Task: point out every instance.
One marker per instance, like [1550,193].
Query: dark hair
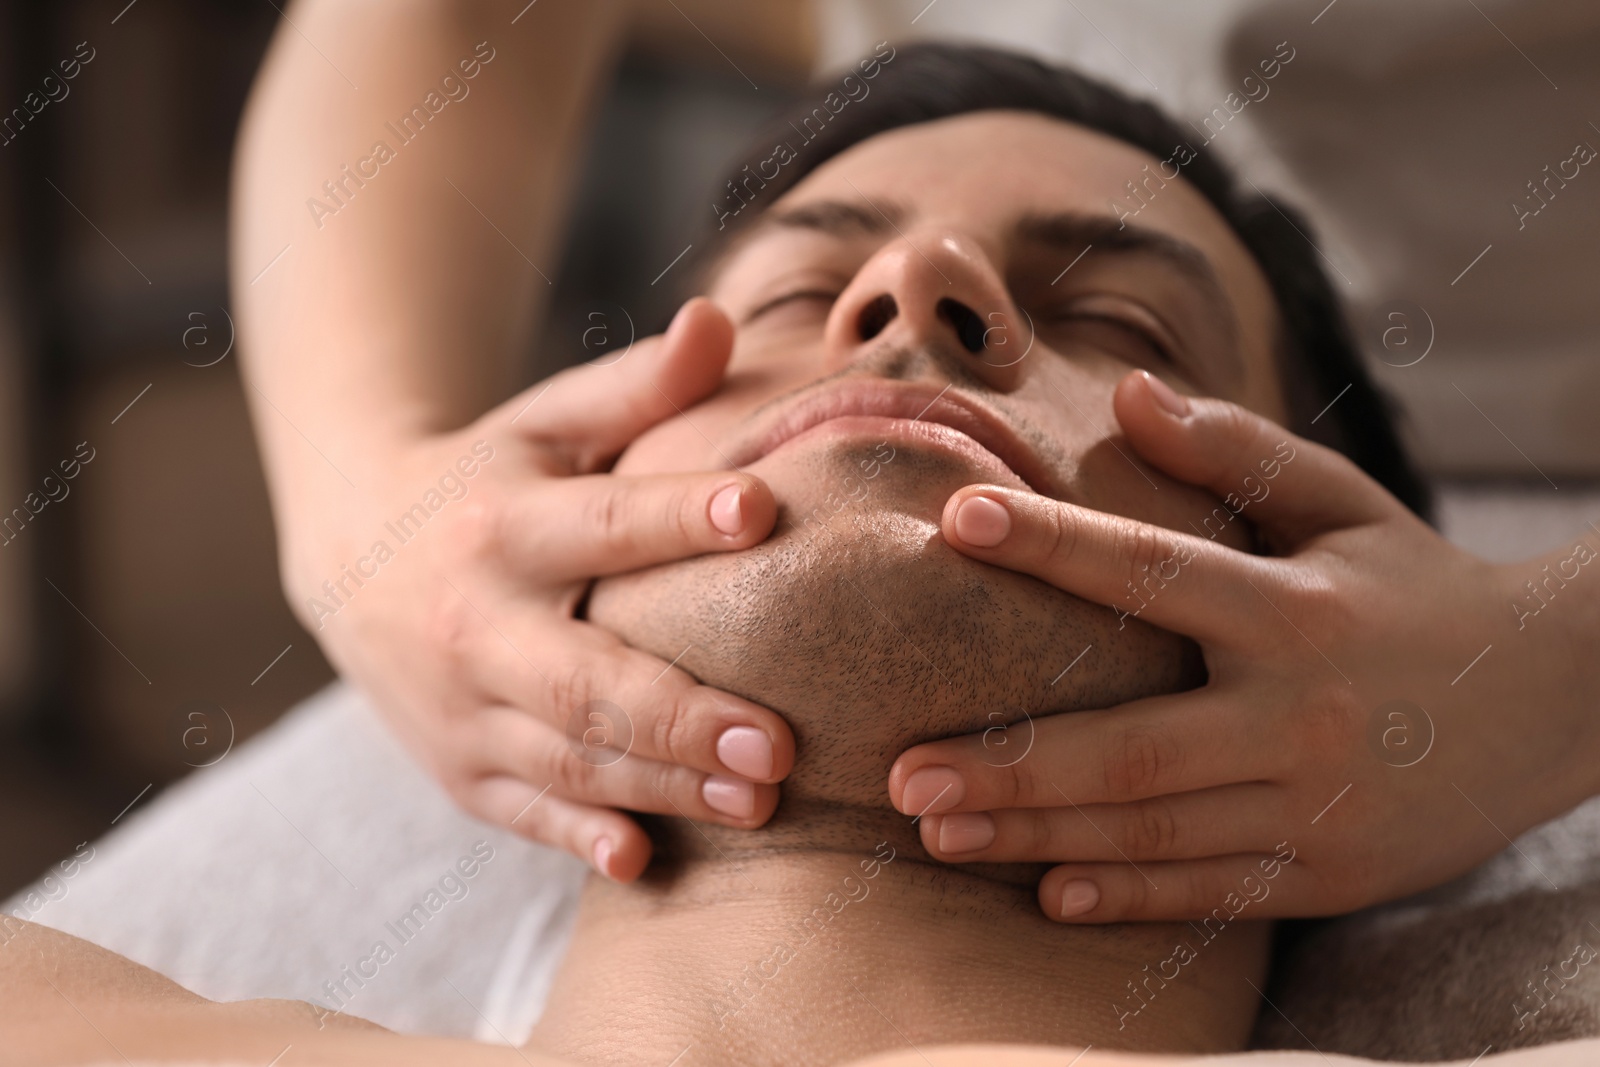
[924,82]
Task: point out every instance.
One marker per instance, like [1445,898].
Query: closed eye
[822,297]
[1122,327]
[1129,330]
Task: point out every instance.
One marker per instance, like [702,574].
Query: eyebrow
[840,218]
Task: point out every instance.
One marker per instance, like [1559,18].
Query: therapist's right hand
[470,640]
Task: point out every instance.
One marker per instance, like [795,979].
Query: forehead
[983,172]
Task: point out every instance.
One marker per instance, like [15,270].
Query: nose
[937,292]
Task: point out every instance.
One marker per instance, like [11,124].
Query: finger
[596,767]
[1142,572]
[1223,888]
[586,527]
[593,411]
[608,841]
[1174,743]
[583,682]
[1288,485]
[1211,822]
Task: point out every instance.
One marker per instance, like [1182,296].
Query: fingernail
[746,750]
[966,832]
[725,511]
[729,796]
[1165,396]
[602,856]
[932,789]
[982,522]
[1077,897]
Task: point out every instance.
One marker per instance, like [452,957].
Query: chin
[869,634]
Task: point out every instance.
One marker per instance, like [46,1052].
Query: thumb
[1294,489]
[593,411]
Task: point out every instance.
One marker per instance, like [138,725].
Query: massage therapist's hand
[1307,740]
[464,633]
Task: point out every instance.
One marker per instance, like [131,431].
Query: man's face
[943,304]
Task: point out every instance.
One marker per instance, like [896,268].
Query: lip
[877,398]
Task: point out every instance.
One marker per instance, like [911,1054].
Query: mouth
[913,414]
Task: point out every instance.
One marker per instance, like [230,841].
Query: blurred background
[142,630]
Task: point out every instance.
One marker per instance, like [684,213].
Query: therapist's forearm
[404,309]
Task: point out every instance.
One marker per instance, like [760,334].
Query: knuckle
[1234,431]
[1133,895]
[572,777]
[1140,761]
[1044,836]
[1152,831]
[1316,598]
[655,781]
[608,517]
[672,729]
[451,625]
[686,515]
[1237,428]
[568,691]
[1011,785]
[1060,535]
[1144,548]
[481,530]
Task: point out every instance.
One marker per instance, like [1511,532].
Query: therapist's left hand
[1291,783]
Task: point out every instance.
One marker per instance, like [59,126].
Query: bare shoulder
[1564,1054]
[65,1001]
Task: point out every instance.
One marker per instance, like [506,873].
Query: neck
[816,956]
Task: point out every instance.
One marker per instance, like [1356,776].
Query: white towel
[278,871]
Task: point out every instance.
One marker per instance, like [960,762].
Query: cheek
[668,447]
[1110,483]
[1104,474]
[756,375]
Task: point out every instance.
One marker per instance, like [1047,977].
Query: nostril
[875,316]
[968,327]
